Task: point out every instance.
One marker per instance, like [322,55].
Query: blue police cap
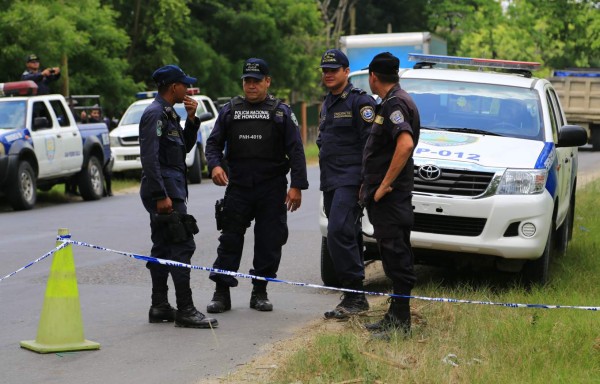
[256,68]
[170,74]
[334,58]
[384,63]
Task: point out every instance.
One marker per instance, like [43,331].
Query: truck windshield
[12,114]
[463,106]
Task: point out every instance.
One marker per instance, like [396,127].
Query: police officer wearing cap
[346,117]
[41,78]
[163,145]
[260,137]
[387,187]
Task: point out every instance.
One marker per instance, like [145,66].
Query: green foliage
[112,47]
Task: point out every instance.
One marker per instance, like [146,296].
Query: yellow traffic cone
[60,328]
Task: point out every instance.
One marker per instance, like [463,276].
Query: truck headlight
[114,141]
[523,182]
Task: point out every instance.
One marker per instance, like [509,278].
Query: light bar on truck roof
[193,91]
[474,62]
[19,88]
[146,95]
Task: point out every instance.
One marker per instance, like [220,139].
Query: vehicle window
[497,109]
[61,114]
[12,114]
[559,116]
[553,121]
[207,107]
[361,80]
[40,110]
[133,115]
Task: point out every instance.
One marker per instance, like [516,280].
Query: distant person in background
[41,78]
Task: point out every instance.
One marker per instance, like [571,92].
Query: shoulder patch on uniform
[367,113]
[397,117]
[294,118]
[159,125]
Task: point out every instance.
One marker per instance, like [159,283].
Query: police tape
[66,239]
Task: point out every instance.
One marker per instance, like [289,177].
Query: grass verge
[467,343]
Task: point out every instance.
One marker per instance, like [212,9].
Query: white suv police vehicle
[495,168]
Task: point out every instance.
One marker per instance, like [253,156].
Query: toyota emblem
[429,172]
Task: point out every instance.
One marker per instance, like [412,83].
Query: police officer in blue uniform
[41,78]
[163,145]
[346,117]
[258,136]
[388,184]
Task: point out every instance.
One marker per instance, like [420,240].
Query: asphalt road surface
[114,292]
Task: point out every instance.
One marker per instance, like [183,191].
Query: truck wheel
[328,274]
[537,271]
[595,139]
[22,192]
[91,180]
[195,171]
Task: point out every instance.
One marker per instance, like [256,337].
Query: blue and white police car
[495,168]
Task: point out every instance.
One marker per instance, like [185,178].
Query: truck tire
[595,139]
[91,180]
[536,272]
[22,191]
[328,274]
[195,171]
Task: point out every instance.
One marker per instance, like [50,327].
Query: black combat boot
[190,317]
[352,303]
[187,316]
[259,299]
[397,319]
[160,311]
[221,300]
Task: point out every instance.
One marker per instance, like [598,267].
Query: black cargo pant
[164,249]
[265,204]
[392,218]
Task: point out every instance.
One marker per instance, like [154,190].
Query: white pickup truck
[124,139]
[495,169]
[41,145]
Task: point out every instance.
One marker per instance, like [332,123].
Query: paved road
[114,293]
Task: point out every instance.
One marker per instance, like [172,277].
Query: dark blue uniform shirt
[40,80]
[343,131]
[163,145]
[250,172]
[396,113]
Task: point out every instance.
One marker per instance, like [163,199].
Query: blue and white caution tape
[64,244]
[66,240]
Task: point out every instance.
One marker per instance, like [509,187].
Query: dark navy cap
[384,63]
[33,57]
[334,58]
[170,74]
[256,68]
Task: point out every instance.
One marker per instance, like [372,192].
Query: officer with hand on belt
[261,140]
[387,187]
[163,145]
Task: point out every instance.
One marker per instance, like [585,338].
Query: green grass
[492,344]
[311,152]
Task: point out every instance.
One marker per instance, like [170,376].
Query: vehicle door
[48,148]
[564,161]
[69,136]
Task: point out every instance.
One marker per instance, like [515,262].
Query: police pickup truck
[41,145]
[495,169]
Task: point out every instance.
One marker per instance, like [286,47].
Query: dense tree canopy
[111,47]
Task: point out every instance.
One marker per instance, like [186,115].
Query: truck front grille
[454,182]
[448,225]
[130,140]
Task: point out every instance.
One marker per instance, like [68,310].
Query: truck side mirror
[205,116]
[571,136]
[40,123]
